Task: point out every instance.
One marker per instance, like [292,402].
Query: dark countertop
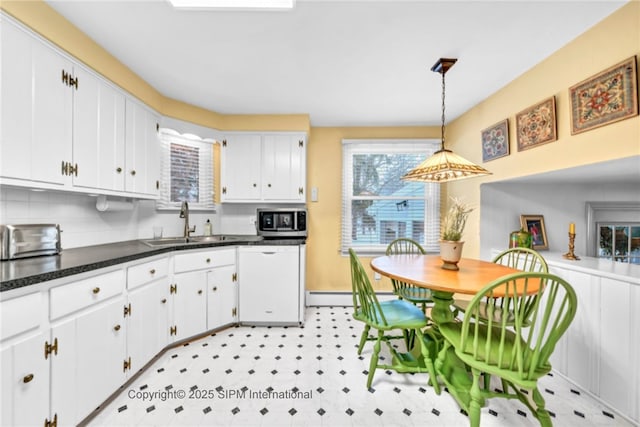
[29,271]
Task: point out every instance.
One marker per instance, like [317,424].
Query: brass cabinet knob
[255,185]
[119,170]
[116,328]
[133,172]
[27,378]
[96,290]
[269,185]
[208,260]
[163,300]
[152,271]
[199,291]
[215,288]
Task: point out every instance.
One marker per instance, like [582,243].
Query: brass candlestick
[570,254]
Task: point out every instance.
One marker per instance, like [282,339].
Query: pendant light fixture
[444,165]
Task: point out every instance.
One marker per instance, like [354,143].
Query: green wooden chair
[516,352]
[520,259]
[414,294]
[385,317]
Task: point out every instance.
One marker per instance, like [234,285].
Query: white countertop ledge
[600,267]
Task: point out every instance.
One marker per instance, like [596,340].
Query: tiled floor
[311,376]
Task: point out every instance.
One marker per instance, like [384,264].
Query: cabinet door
[36,109]
[142,149]
[241,168]
[269,284]
[147,323]
[98,133]
[283,176]
[89,363]
[222,298]
[16,98]
[25,382]
[190,304]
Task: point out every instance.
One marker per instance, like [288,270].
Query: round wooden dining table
[426,271]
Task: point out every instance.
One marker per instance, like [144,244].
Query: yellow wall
[611,41]
[326,268]
[615,39]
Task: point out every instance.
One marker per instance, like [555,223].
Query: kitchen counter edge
[15,274]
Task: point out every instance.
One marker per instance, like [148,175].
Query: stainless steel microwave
[281,222]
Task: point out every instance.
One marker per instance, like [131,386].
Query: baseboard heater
[339,298]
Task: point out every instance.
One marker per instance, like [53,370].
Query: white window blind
[187,171]
[377,206]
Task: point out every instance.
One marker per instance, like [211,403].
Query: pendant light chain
[443,92]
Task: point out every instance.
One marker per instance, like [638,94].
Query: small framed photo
[495,141]
[535,225]
[537,124]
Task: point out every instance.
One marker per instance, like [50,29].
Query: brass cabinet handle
[63,169]
[116,328]
[199,291]
[163,300]
[27,378]
[152,271]
[119,170]
[133,172]
[96,290]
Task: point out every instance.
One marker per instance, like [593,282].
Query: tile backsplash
[83,225]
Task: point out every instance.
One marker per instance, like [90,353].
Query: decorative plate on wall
[537,124]
[495,141]
[607,97]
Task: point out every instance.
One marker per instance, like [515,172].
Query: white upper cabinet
[36,109]
[142,165]
[98,133]
[66,127]
[265,166]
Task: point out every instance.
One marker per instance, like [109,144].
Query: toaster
[28,240]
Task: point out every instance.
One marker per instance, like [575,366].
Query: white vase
[450,253]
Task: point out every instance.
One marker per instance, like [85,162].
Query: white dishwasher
[271,284]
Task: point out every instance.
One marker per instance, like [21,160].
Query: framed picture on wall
[535,225]
[495,141]
[607,97]
[537,124]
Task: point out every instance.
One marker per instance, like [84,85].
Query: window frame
[206,170]
[431,195]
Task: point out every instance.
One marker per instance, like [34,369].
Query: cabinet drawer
[140,274]
[83,293]
[205,259]
[20,315]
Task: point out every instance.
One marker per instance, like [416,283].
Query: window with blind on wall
[187,171]
[377,205]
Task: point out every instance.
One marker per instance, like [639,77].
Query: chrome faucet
[184,213]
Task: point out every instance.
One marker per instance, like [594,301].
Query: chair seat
[415,294]
[399,315]
[452,331]
[462,305]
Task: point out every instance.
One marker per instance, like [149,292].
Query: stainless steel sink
[167,241]
[193,240]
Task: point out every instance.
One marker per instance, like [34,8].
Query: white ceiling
[345,63]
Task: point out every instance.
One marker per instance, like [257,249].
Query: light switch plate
[314,194]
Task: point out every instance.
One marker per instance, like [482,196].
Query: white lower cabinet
[600,350]
[147,323]
[222,296]
[270,285]
[90,361]
[25,382]
[189,305]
